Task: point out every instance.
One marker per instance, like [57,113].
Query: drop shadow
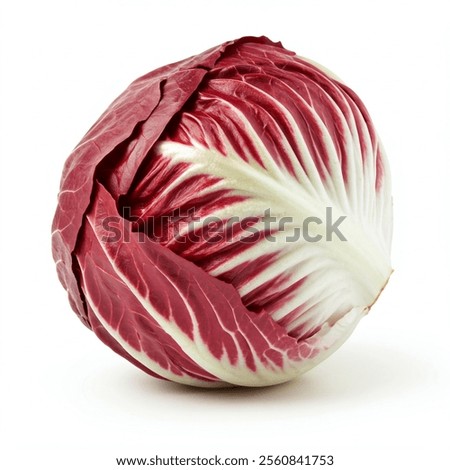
[355,376]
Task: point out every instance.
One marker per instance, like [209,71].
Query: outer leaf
[181,323]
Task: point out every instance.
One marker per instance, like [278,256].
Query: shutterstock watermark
[190,227]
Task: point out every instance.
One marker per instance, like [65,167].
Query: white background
[381,401]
